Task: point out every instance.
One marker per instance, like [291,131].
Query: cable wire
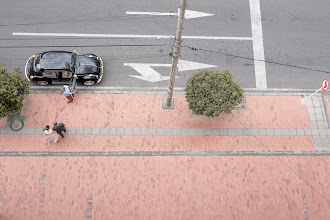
[248,58]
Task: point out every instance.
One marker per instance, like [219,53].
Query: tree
[210,93]
[13,90]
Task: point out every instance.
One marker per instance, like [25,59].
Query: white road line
[127,36]
[188,14]
[258,45]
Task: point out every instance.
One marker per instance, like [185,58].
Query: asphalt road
[295,38]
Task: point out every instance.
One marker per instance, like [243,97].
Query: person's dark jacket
[59,127]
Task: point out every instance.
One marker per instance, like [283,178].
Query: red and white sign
[325,85]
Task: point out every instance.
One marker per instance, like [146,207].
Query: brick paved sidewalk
[128,121]
[178,186]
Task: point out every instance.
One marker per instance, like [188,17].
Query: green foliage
[13,89]
[210,93]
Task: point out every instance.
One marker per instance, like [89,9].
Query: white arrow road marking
[188,14]
[150,75]
[127,36]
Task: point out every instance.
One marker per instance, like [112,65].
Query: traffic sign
[325,84]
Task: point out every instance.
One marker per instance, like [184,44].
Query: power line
[105,45]
[114,18]
[248,58]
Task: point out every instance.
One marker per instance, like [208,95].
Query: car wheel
[42,83]
[89,83]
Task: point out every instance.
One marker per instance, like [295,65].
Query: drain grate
[16,125]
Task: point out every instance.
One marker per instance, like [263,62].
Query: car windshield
[73,62]
[36,64]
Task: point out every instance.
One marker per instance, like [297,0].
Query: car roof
[55,60]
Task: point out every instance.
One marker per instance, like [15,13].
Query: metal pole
[176,53]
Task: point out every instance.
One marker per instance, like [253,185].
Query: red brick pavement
[3,122]
[133,110]
[164,188]
[157,143]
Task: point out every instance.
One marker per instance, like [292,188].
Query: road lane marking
[188,14]
[150,75]
[258,45]
[127,36]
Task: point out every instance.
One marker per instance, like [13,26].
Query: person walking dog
[50,133]
[59,128]
[66,91]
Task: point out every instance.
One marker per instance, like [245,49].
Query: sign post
[325,86]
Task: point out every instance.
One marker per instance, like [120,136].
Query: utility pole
[176,53]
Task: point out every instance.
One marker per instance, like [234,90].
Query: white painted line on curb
[258,45]
[127,36]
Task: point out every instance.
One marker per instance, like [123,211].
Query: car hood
[87,65]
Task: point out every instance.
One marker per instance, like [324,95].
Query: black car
[59,67]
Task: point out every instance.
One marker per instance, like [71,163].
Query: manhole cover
[16,125]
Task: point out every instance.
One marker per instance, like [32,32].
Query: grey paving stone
[277,131]
[38,131]
[262,132]
[2,130]
[317,140]
[312,117]
[246,132]
[326,147]
[176,131]
[223,132]
[239,131]
[109,131]
[87,131]
[70,131]
[285,132]
[136,131]
[231,132]
[319,117]
[79,131]
[254,131]
[257,93]
[293,132]
[196,132]
[160,132]
[128,131]
[120,131]
[270,132]
[29,130]
[307,131]
[318,110]
[328,131]
[315,131]
[321,125]
[168,132]
[324,139]
[318,147]
[96,131]
[313,124]
[322,132]
[152,131]
[211,132]
[143,131]
[300,132]
[310,110]
[316,103]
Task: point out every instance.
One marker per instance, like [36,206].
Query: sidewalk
[145,161]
